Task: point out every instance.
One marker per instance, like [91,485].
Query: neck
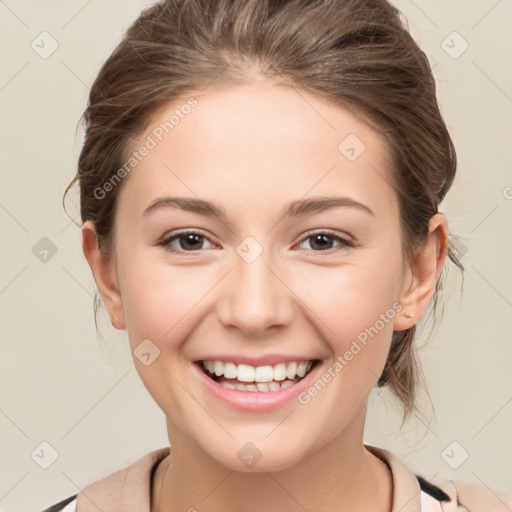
[340,475]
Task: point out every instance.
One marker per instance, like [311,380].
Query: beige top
[129,490]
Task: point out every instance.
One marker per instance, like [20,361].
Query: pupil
[321,240]
[190,239]
[319,237]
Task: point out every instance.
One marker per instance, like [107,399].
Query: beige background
[58,385]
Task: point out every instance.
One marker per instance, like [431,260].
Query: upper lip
[269,359]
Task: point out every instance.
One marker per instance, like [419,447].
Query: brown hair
[357,53]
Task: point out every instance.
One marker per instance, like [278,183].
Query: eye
[321,240]
[189,241]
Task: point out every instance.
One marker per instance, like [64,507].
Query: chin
[254,457]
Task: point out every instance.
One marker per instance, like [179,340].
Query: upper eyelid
[186,232]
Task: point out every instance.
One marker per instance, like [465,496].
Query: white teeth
[274,386]
[230,371]
[260,374]
[301,369]
[245,373]
[264,374]
[291,370]
[218,368]
[279,372]
[259,386]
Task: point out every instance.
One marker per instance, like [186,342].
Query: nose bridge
[256,297]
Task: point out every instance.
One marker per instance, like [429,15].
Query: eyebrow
[293,209]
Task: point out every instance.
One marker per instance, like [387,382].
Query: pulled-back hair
[357,53]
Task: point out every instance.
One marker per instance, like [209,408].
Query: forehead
[250,146]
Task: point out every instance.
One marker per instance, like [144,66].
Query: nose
[255,297]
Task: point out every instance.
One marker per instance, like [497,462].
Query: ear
[424,273]
[104,274]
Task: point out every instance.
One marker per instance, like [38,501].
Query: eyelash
[167,241]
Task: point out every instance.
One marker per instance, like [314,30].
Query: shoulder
[413,493]
[129,485]
[458,496]
[477,497]
[66,505]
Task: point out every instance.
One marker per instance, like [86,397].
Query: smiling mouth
[257,379]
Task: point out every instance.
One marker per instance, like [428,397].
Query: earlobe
[424,272]
[103,271]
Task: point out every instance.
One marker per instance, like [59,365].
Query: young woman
[260,187]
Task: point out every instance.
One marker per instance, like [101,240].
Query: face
[265,279]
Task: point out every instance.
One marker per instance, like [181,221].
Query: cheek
[352,296]
[161,304]
[157,299]
[354,307]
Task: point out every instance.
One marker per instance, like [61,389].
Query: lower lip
[255,400]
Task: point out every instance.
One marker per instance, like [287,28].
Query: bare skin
[252,150]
